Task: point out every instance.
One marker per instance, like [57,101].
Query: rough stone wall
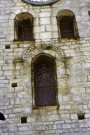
[72,64]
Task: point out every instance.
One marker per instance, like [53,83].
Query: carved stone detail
[43,47]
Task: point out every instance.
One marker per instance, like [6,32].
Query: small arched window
[24,27]
[67,24]
[44,77]
[2,117]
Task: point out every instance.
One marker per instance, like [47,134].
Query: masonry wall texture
[72,58]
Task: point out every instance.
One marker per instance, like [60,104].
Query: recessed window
[23,119]
[14,84]
[7,46]
[67,25]
[2,117]
[24,27]
[88,12]
[81,116]
[44,81]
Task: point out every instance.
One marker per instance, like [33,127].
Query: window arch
[24,27]
[44,80]
[67,26]
[2,117]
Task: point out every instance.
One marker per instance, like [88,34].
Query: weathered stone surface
[72,58]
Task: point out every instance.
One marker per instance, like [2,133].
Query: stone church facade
[45,68]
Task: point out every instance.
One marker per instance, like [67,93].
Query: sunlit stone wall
[72,114]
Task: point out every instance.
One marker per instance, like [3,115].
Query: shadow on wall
[2,117]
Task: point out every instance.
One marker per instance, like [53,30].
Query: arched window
[2,117]
[24,27]
[67,24]
[44,80]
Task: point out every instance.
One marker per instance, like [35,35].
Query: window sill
[23,41]
[55,107]
[68,39]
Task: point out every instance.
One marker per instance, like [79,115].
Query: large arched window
[67,24]
[44,74]
[24,27]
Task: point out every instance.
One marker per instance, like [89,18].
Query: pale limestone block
[60,98]
[42,28]
[65,116]
[18,110]
[27,110]
[7,73]
[45,21]
[55,34]
[11,24]
[37,36]
[36,29]
[85,107]
[12,16]
[1,73]
[44,14]
[77,98]
[31,119]
[12,127]
[73,116]
[89,78]
[16,100]
[68,107]
[23,128]
[45,35]
[36,21]
[78,18]
[87,116]
[67,126]
[54,21]
[2,61]
[10,37]
[81,124]
[88,90]
[17,11]
[48,28]
[22,94]
[46,9]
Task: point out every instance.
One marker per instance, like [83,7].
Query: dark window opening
[66,27]
[2,117]
[88,12]
[7,46]
[23,27]
[25,30]
[23,119]
[45,81]
[14,84]
[81,116]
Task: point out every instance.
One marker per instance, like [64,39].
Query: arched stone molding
[18,11]
[57,10]
[69,14]
[11,21]
[43,48]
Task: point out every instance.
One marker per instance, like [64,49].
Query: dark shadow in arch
[44,80]
[2,117]
[67,25]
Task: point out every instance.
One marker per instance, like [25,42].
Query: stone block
[44,21]
[87,116]
[66,126]
[45,14]
[23,128]
[45,35]
[74,116]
